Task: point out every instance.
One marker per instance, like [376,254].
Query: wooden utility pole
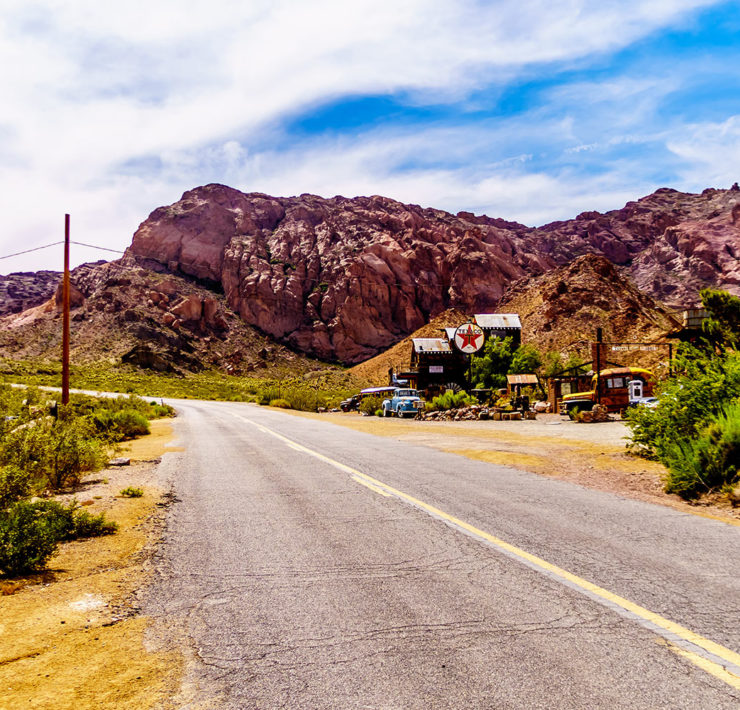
[65,315]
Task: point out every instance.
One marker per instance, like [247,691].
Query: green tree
[722,328]
[490,369]
[526,359]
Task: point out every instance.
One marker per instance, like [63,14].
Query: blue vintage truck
[403,403]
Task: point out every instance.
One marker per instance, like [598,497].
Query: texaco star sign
[469,338]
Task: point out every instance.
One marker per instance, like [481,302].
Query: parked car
[649,402]
[351,404]
[403,403]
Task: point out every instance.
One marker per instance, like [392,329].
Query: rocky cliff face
[673,243]
[157,321]
[345,278]
[24,290]
[337,278]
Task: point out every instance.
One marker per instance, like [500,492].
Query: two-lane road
[317,567]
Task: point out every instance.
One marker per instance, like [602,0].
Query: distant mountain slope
[158,321]
[344,279]
[561,310]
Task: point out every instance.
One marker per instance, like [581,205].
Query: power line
[92,246]
[54,244]
[27,251]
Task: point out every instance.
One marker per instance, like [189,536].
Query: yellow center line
[723,662]
[373,488]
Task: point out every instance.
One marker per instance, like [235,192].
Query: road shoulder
[72,636]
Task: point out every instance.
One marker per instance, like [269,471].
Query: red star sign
[469,338]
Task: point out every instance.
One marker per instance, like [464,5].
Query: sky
[530,110]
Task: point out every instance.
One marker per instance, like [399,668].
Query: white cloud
[91,90]
[712,152]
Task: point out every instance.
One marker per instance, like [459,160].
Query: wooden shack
[436,362]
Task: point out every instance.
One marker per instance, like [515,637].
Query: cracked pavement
[296,587]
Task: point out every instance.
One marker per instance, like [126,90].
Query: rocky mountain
[221,275]
[343,279]
[561,310]
[164,322]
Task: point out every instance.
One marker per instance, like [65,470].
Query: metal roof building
[500,325]
[498,321]
[431,345]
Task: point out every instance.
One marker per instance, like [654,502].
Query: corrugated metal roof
[498,320]
[521,379]
[431,345]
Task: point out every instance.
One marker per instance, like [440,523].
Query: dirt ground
[591,455]
[71,637]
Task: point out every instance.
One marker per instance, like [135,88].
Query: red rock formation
[345,278]
[338,278]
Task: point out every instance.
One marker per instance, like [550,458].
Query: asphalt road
[312,566]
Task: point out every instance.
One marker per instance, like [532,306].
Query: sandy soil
[71,637]
[591,455]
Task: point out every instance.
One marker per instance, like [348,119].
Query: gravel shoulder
[72,636]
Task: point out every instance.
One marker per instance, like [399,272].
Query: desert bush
[31,530]
[119,425]
[451,400]
[704,385]
[53,453]
[707,462]
[129,423]
[86,405]
[28,538]
[15,483]
[280,403]
[371,405]
[131,492]
[694,429]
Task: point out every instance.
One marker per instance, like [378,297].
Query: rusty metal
[65,315]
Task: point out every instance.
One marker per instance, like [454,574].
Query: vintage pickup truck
[403,403]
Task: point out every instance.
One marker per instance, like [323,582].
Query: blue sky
[528,110]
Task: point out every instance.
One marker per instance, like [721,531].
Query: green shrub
[85,524]
[371,405]
[280,403]
[129,424]
[708,462]
[15,483]
[28,538]
[131,492]
[31,530]
[53,453]
[451,400]
[704,385]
